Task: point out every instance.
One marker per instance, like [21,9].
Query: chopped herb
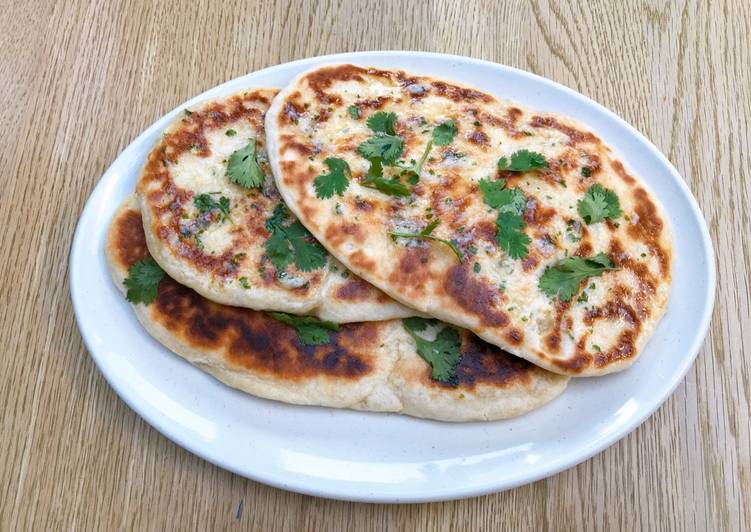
[583,298]
[426,234]
[386,145]
[510,205]
[598,204]
[476,267]
[230,132]
[206,203]
[292,243]
[563,278]
[381,122]
[310,331]
[188,112]
[511,236]
[596,348]
[504,199]
[243,168]
[586,171]
[336,181]
[354,111]
[477,123]
[444,133]
[522,161]
[374,179]
[388,148]
[527,133]
[442,354]
[414,171]
[143,281]
[244,282]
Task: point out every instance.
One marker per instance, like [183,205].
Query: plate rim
[330,490]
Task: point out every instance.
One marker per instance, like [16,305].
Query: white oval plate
[384,457]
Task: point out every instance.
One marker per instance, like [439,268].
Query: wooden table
[80,79]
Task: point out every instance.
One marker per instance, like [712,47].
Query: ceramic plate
[386,457]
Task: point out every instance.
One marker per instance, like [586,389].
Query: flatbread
[366,366]
[224,257]
[323,114]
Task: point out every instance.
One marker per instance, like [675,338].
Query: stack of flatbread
[377,240]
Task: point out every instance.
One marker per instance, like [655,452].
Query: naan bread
[222,255]
[366,366]
[323,113]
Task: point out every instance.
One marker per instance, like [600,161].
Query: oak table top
[80,79]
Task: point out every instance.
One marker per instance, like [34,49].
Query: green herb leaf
[230,132]
[388,148]
[426,234]
[563,278]
[510,222]
[292,243]
[243,168]
[504,199]
[442,354]
[381,122]
[511,237]
[598,204]
[336,181]
[354,111]
[374,179]
[414,171]
[522,161]
[143,281]
[310,330]
[206,203]
[444,133]
[309,254]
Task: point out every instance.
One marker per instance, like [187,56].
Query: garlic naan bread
[365,366]
[520,226]
[215,222]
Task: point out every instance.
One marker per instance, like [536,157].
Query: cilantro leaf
[414,171]
[381,122]
[522,161]
[444,133]
[292,243]
[243,169]
[206,203]
[442,354]
[563,278]
[336,181]
[374,179]
[277,249]
[598,204]
[504,199]
[510,222]
[511,237]
[309,253]
[354,111]
[143,281]
[310,330]
[426,234]
[388,148]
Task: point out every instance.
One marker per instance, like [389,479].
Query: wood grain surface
[80,79]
